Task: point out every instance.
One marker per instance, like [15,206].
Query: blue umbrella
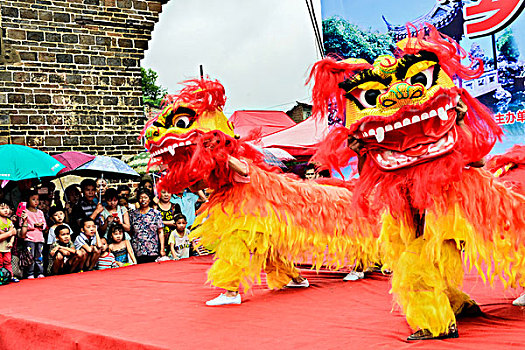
[105,166]
[270,158]
[21,162]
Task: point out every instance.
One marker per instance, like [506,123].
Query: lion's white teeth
[415,119]
[380,134]
[432,114]
[171,150]
[424,116]
[406,122]
[388,128]
[442,114]
[397,125]
[188,143]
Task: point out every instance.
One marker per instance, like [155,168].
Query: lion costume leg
[279,271]
[235,264]
[422,287]
[451,263]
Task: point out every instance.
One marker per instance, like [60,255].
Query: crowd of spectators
[96,227]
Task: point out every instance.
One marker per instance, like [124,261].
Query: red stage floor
[161,306]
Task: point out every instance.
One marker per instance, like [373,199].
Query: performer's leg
[281,272]
[233,265]
[461,303]
[421,289]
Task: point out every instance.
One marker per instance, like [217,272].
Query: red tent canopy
[267,121]
[299,140]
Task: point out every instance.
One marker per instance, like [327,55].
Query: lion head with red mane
[414,129]
[193,139]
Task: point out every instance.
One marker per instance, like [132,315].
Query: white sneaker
[223,299]
[40,276]
[519,301]
[302,284]
[354,276]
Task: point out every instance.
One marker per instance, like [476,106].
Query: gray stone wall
[70,73]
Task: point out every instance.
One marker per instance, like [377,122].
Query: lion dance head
[192,137]
[413,127]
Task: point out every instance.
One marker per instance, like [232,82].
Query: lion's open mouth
[390,160]
[172,144]
[413,135]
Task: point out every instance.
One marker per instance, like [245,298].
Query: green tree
[152,93]
[507,46]
[346,40]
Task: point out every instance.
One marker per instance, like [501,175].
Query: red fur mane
[208,161]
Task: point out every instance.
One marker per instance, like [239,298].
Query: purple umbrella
[72,160]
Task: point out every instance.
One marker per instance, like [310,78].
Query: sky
[260,50]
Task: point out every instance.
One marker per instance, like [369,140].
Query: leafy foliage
[507,46]
[152,93]
[346,40]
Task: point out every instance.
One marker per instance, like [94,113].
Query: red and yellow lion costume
[265,224]
[418,137]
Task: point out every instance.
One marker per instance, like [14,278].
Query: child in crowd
[123,192]
[71,197]
[179,241]
[106,259]
[44,204]
[167,211]
[63,257]
[57,216]
[33,226]
[114,214]
[120,246]
[89,241]
[86,206]
[7,237]
[102,186]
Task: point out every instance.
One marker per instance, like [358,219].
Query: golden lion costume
[418,137]
[263,224]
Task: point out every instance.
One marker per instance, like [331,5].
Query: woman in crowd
[114,213]
[147,229]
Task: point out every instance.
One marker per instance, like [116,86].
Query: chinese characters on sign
[510,117]
[487,17]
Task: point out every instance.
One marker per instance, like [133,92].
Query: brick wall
[70,73]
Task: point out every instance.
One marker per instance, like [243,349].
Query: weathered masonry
[70,73]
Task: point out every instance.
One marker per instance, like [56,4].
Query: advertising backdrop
[491,30]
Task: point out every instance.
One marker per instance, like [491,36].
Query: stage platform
[161,306]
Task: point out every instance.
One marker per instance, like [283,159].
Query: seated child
[179,241]
[89,241]
[57,216]
[120,247]
[63,257]
[7,238]
[106,259]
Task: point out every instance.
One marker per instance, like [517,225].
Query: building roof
[299,140]
[265,122]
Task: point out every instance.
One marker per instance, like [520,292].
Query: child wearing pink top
[33,226]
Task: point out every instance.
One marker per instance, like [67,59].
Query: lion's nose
[152,131]
[401,94]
